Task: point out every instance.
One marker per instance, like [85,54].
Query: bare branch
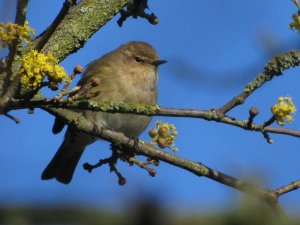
[287,188]
[15,119]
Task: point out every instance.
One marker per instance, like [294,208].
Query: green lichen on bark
[79,24]
[257,82]
[275,67]
[119,107]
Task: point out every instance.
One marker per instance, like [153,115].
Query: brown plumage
[128,74]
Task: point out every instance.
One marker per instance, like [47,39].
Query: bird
[126,74]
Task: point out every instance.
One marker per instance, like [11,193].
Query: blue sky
[213,49]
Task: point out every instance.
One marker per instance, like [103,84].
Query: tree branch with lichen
[61,109]
[275,67]
[70,31]
[44,36]
[77,27]
[70,35]
[78,122]
[9,80]
[122,107]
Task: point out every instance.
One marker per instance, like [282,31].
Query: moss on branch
[275,67]
[77,26]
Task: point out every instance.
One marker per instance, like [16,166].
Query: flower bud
[152,132]
[78,69]
[253,111]
[163,132]
[162,143]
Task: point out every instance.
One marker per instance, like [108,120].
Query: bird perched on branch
[127,74]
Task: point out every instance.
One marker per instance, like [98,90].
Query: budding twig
[111,161]
[267,137]
[287,188]
[253,112]
[77,70]
[17,120]
[143,165]
[269,122]
[137,9]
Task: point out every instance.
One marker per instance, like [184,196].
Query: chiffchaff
[127,74]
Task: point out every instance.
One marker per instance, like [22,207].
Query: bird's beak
[158,62]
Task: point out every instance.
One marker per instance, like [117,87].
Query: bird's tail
[64,162]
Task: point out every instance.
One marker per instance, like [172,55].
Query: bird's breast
[141,86]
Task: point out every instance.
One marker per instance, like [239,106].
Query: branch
[71,34]
[113,107]
[275,67]
[9,79]
[287,188]
[43,38]
[78,122]
[77,26]
[19,19]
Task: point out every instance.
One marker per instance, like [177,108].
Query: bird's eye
[138,59]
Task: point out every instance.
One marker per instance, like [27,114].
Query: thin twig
[275,67]
[143,165]
[77,70]
[267,137]
[269,121]
[253,112]
[15,119]
[111,161]
[287,188]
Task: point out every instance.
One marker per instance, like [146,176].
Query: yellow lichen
[283,110]
[36,66]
